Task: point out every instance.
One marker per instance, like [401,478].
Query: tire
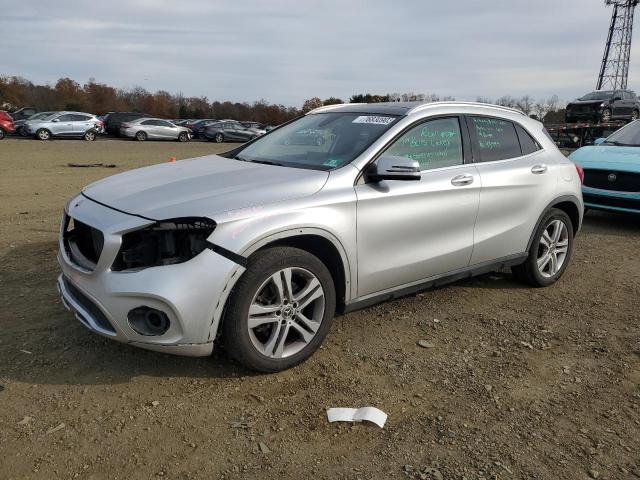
[635,115]
[89,136]
[218,138]
[1,134]
[43,134]
[605,116]
[141,136]
[183,137]
[535,270]
[263,346]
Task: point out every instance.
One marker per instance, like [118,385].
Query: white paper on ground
[370,414]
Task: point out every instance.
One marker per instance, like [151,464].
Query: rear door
[408,231]
[63,125]
[81,123]
[516,187]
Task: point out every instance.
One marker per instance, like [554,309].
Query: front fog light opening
[148,321]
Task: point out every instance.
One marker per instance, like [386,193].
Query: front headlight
[166,242]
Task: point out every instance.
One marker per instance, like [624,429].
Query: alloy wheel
[553,248]
[44,135]
[286,312]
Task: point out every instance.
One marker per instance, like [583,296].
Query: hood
[593,103]
[203,187]
[608,157]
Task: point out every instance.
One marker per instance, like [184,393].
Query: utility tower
[614,71]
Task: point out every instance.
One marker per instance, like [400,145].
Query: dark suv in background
[604,106]
[113,120]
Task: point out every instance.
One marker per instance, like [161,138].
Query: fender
[262,242]
[565,198]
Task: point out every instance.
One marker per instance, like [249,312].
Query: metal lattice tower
[614,71]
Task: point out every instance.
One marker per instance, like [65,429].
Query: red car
[6,124]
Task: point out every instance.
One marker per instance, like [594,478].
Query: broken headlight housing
[166,242]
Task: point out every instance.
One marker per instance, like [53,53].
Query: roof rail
[470,104]
[331,107]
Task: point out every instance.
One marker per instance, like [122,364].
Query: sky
[285,51]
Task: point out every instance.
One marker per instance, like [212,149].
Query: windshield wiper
[264,162]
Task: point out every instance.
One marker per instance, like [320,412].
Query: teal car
[612,171]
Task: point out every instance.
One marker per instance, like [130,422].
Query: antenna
[614,71]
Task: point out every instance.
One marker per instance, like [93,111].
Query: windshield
[628,136]
[598,95]
[322,141]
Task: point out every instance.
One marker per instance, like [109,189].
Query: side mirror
[599,141]
[394,168]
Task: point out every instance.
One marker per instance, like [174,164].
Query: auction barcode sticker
[374,119]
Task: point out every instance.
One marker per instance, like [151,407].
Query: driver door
[408,231]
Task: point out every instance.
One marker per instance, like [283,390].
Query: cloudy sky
[287,50]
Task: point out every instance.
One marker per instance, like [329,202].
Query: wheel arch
[568,204]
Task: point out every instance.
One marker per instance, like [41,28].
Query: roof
[403,108]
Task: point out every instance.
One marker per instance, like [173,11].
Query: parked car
[65,124]
[612,171]
[261,127]
[19,124]
[260,246]
[197,126]
[7,124]
[23,113]
[113,120]
[230,132]
[604,106]
[154,129]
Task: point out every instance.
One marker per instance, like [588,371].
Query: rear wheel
[218,138]
[183,137]
[43,134]
[280,310]
[605,116]
[89,135]
[635,115]
[141,136]
[1,134]
[550,251]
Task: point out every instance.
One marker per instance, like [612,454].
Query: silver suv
[65,124]
[262,245]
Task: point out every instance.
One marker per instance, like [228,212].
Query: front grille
[80,298]
[612,180]
[612,201]
[83,243]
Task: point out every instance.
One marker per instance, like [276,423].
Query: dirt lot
[518,383]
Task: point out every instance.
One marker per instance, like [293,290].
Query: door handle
[539,169]
[462,180]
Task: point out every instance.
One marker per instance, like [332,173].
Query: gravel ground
[514,383]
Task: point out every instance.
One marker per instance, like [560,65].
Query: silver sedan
[154,129]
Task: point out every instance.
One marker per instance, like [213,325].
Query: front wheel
[635,115]
[280,310]
[550,251]
[605,116]
[1,134]
[183,137]
[43,134]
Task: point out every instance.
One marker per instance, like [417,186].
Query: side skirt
[436,281]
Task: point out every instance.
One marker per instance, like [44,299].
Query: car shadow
[42,343]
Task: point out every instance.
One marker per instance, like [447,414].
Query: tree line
[99,98]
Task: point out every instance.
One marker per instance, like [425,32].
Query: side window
[496,139]
[162,123]
[527,143]
[66,118]
[147,122]
[81,118]
[434,144]
[228,126]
